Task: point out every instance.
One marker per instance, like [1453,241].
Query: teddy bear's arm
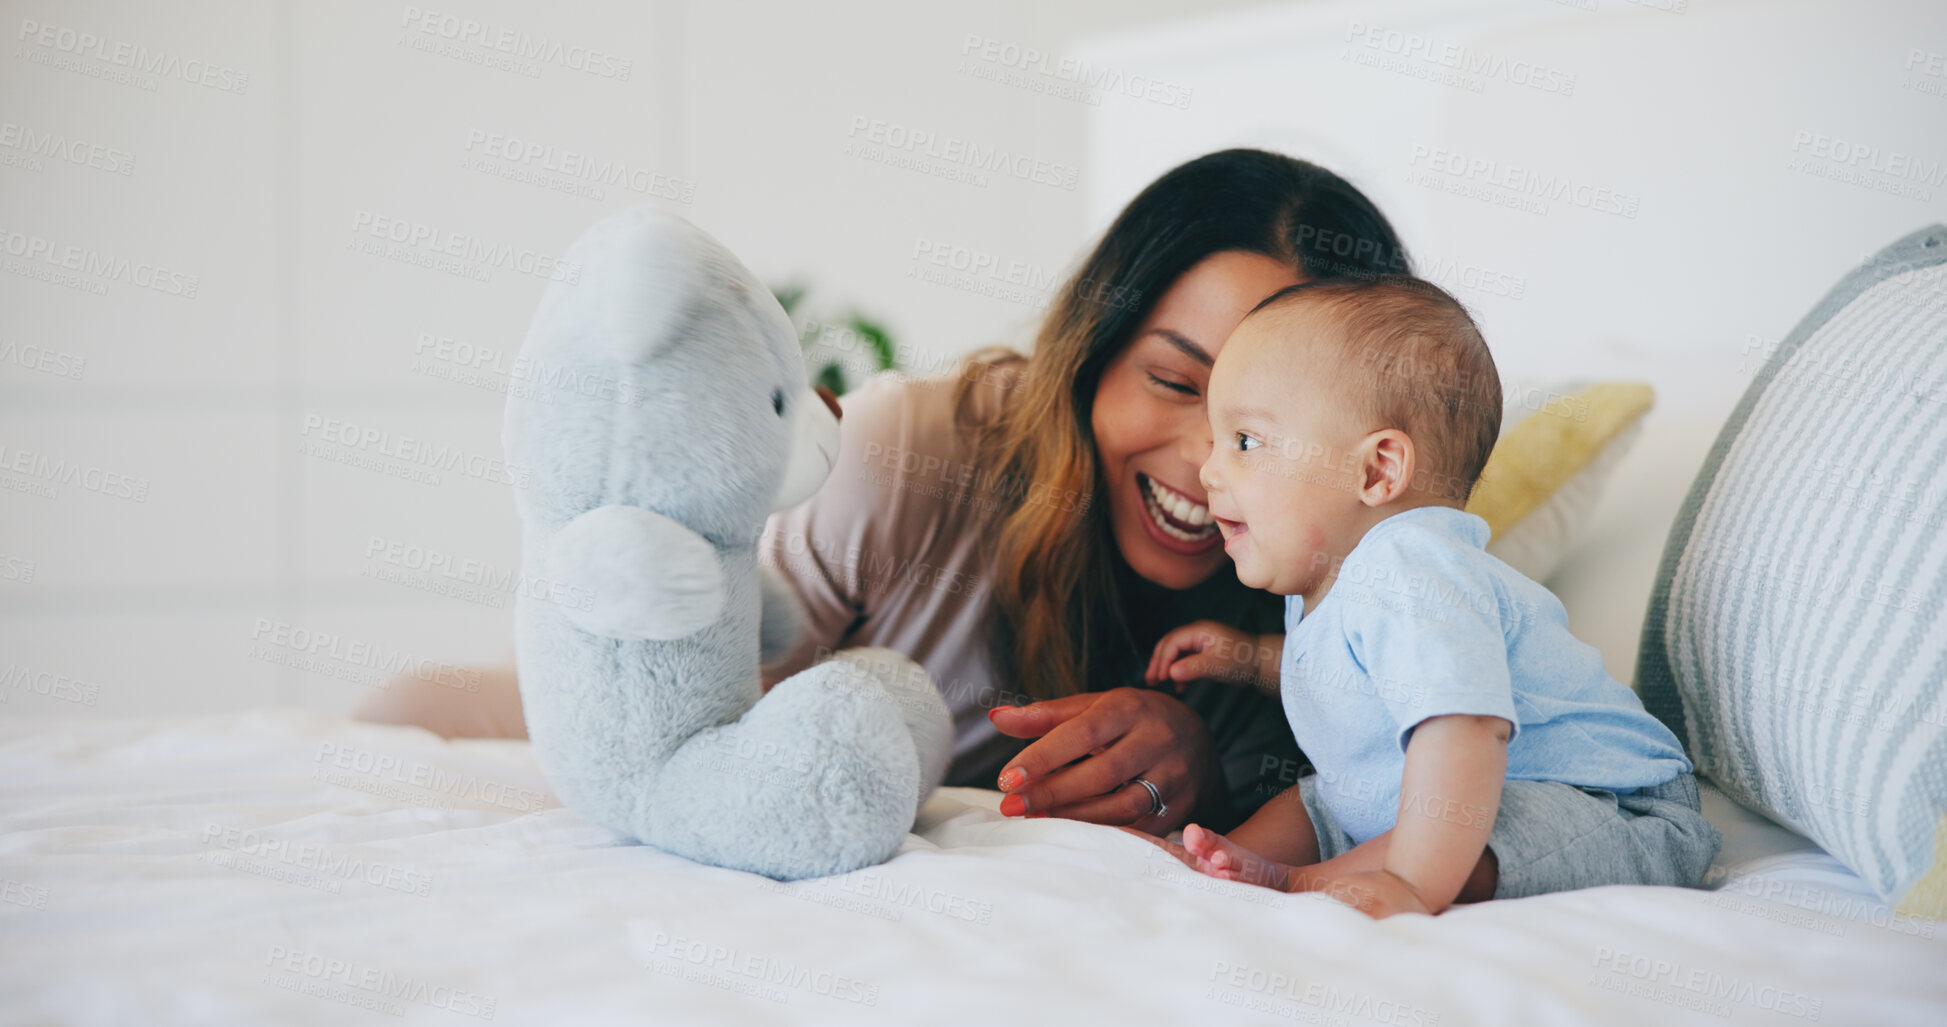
[630,573]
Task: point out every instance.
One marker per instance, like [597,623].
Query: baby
[1467,746]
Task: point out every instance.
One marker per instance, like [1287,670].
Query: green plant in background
[851,333]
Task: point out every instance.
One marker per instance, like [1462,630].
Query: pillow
[1549,467]
[1794,639]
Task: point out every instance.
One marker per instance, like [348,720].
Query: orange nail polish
[1011,778]
[1013,806]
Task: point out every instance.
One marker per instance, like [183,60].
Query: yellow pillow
[1549,468]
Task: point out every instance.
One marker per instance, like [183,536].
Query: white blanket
[288,867]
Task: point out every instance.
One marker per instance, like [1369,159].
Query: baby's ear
[629,573]
[1387,463]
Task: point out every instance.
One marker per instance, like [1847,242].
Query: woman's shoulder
[906,470]
[933,415]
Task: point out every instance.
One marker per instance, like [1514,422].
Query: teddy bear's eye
[777,401]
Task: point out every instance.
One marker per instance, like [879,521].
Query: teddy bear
[664,413]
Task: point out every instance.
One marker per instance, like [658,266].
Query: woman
[1029,527]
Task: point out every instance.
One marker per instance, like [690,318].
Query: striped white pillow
[1795,638]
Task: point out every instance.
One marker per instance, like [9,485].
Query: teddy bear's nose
[830,401]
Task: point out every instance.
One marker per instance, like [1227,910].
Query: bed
[296,867]
[292,867]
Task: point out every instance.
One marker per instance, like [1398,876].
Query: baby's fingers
[1206,845]
[1202,636]
[1165,653]
[1214,665]
[1160,657]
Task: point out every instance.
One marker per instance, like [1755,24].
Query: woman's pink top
[891,550]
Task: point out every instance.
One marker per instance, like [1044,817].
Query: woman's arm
[491,708]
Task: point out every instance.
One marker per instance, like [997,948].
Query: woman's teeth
[1164,503]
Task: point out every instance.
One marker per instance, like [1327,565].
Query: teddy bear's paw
[819,777]
[911,691]
[636,574]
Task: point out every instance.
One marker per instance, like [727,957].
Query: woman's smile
[1174,520]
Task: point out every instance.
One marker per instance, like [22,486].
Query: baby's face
[1283,473]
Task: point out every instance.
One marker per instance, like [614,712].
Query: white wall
[239,146]
[264,134]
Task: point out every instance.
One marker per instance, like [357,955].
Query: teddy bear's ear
[629,573]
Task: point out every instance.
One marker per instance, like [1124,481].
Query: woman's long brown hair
[1057,622]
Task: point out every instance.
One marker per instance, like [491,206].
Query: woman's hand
[1217,651]
[1117,736]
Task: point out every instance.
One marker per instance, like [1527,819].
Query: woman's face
[1151,431]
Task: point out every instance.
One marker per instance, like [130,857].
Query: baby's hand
[1205,649]
[1376,893]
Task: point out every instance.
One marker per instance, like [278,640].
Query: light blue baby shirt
[1422,622]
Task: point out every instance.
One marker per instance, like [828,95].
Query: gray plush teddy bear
[664,414]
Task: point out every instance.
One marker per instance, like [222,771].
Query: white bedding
[290,867]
